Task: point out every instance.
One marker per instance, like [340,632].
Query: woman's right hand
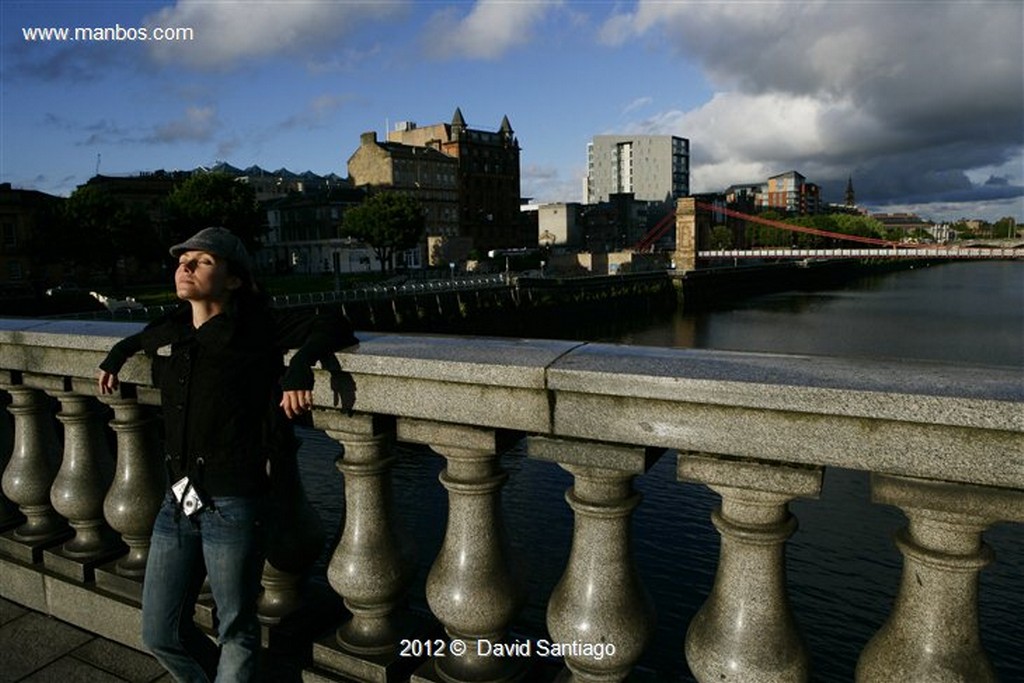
[107,382]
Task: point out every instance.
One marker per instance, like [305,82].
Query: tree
[1005,227]
[388,222]
[760,235]
[99,231]
[862,226]
[214,199]
[721,237]
[805,240]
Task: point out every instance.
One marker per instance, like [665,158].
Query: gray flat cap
[217,241]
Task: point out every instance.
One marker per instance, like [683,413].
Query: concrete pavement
[40,649]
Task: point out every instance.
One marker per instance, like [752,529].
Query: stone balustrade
[944,444]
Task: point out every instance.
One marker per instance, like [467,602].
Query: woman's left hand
[296,402]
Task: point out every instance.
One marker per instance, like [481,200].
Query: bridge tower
[690,225]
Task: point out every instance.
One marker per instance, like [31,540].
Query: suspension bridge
[693,226]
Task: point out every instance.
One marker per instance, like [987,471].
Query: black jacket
[220,386]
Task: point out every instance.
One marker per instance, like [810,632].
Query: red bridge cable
[655,233]
[663,225]
[798,228]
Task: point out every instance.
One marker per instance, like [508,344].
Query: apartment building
[304,234]
[650,167]
[787,192]
[487,173]
[744,197]
[424,173]
[790,192]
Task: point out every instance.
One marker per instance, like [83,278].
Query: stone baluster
[372,565]
[79,490]
[140,480]
[9,515]
[599,602]
[295,541]
[29,474]
[932,633]
[745,632]
[471,588]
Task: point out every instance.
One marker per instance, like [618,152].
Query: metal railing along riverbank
[944,444]
[340,296]
[389,291]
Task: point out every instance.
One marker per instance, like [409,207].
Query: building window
[9,235]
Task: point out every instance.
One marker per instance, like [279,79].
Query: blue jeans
[225,542]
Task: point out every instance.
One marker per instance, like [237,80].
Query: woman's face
[201,276]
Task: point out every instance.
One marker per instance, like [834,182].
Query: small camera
[187,496]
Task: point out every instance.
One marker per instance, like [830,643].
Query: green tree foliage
[214,199]
[767,236]
[97,231]
[388,222]
[760,235]
[858,225]
[964,230]
[1005,227]
[721,238]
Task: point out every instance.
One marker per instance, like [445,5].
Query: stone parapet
[943,443]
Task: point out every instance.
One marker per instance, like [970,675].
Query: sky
[921,103]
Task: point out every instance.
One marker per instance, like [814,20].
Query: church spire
[458,124]
[457,119]
[850,201]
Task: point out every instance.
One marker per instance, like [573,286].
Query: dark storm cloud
[933,173]
[912,98]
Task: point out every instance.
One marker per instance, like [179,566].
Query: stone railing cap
[988,396]
[477,360]
[915,377]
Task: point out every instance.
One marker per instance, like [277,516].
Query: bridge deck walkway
[37,648]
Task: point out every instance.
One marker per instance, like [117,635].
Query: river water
[842,566]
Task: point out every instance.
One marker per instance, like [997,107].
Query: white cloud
[317,112]
[231,33]
[617,29]
[544,183]
[196,125]
[638,103]
[346,61]
[491,29]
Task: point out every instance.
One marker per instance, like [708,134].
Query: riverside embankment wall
[557,307]
[529,307]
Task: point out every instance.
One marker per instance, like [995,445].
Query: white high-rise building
[652,167]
